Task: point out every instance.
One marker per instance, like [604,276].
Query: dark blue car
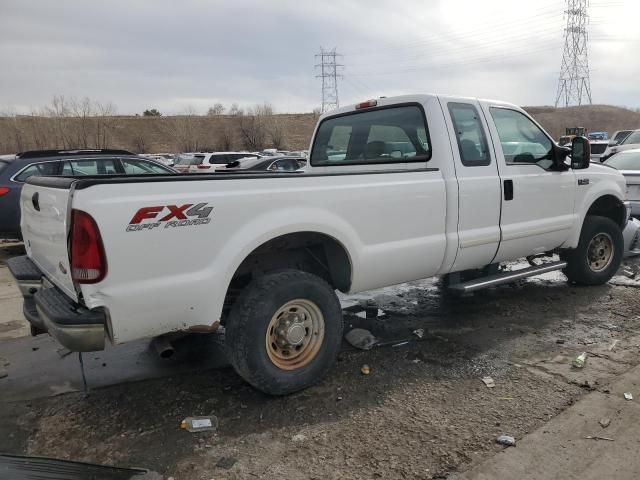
[15,169]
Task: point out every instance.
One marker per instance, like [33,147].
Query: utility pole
[574,87]
[329,75]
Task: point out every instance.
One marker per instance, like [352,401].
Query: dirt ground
[423,411]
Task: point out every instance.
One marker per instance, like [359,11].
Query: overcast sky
[174,54]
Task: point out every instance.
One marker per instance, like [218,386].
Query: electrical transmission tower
[329,75]
[574,86]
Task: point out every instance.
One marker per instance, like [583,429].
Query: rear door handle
[35,199]
[508,189]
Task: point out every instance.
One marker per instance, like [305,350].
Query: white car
[598,148]
[208,162]
[632,141]
[264,253]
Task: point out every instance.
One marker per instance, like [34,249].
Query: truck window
[386,135]
[38,169]
[522,140]
[472,143]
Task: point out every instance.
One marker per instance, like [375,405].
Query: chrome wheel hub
[600,252]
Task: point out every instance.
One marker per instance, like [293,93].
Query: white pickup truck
[396,189]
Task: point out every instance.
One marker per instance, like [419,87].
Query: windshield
[625,161]
[633,138]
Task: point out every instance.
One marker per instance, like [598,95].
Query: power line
[329,75]
[574,86]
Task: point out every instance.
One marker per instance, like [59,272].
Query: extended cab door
[537,199]
[479,193]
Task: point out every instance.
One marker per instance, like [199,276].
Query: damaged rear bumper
[49,310]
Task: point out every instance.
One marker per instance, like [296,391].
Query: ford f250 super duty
[396,189]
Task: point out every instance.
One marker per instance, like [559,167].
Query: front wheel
[599,252]
[284,331]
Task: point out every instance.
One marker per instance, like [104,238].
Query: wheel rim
[295,334]
[600,252]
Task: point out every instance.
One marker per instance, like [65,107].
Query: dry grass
[167,134]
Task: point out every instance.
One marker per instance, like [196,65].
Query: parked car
[16,169]
[618,136]
[279,245]
[268,164]
[628,162]
[631,142]
[207,162]
[598,136]
[167,159]
[597,149]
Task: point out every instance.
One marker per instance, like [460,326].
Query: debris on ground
[63,352]
[560,341]
[365,370]
[199,424]
[580,360]
[507,440]
[488,381]
[628,396]
[604,422]
[360,338]
[598,437]
[419,332]
[400,344]
[613,344]
[299,437]
[226,462]
[629,273]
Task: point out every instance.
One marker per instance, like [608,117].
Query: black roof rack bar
[72,152]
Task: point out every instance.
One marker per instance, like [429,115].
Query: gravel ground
[422,412]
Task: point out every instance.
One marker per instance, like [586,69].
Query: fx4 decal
[170,216]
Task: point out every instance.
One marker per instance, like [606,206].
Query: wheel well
[610,207]
[311,252]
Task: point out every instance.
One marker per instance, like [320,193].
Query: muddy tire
[284,331]
[598,254]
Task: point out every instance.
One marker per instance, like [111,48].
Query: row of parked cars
[16,169]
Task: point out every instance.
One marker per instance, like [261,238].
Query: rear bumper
[50,310]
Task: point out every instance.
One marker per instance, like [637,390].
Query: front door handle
[508,189]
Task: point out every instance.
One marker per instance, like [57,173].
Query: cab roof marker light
[367,104]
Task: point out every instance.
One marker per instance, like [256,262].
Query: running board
[505,277]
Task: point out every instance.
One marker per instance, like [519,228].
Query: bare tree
[235,110]
[104,123]
[183,129]
[140,143]
[217,109]
[253,126]
[225,141]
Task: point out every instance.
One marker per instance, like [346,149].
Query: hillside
[228,132]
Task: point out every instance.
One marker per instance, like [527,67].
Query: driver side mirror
[580,153]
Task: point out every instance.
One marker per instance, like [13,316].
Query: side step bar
[505,277]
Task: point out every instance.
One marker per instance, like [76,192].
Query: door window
[38,169]
[104,166]
[522,140]
[472,142]
[386,135]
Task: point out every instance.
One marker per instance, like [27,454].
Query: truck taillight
[367,104]
[88,261]
[3,191]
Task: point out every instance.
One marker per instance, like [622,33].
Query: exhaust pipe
[163,346]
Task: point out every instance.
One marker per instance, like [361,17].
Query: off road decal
[170,216]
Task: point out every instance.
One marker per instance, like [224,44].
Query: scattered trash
[299,438]
[416,360]
[382,315]
[365,370]
[505,398]
[627,272]
[604,422]
[400,344]
[613,345]
[226,462]
[419,332]
[361,314]
[507,440]
[360,338]
[580,360]
[63,352]
[488,381]
[597,437]
[339,398]
[199,424]
[560,341]
[628,396]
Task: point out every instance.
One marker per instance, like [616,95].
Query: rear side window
[221,159]
[38,169]
[106,166]
[140,167]
[598,148]
[388,135]
[472,142]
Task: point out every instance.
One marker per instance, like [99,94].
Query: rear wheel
[284,331]
[599,252]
